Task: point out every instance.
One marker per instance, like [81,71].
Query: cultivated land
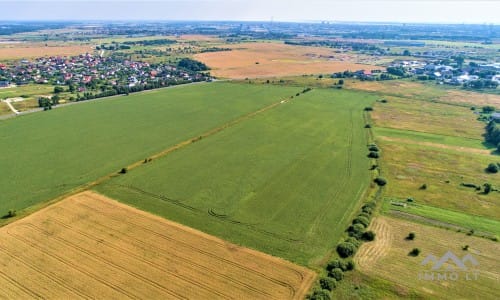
[54,152]
[388,258]
[253,60]
[15,51]
[285,182]
[89,246]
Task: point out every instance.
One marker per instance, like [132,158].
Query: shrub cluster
[336,268]
[493,168]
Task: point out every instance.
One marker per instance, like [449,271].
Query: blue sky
[435,11]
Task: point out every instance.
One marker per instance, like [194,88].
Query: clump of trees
[193,65]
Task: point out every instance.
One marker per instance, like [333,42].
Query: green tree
[58,89]
[492,168]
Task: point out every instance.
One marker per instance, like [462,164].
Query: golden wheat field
[89,246]
[254,60]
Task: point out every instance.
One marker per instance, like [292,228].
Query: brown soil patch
[253,60]
[89,246]
[436,145]
[41,51]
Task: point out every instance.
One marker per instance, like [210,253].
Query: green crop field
[285,182]
[47,154]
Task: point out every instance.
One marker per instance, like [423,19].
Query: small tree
[350,265]
[411,236]
[361,220]
[380,181]
[123,171]
[368,108]
[328,283]
[373,154]
[341,81]
[368,236]
[492,168]
[336,273]
[58,89]
[320,295]
[346,249]
[487,188]
[414,252]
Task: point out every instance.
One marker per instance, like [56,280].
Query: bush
[487,188]
[368,108]
[373,148]
[353,241]
[320,295]
[123,171]
[380,181]
[336,273]
[414,252]
[368,236]
[411,236]
[373,154]
[10,214]
[492,168]
[424,186]
[364,214]
[367,210]
[350,265]
[334,264]
[368,126]
[383,101]
[327,283]
[356,230]
[465,248]
[361,220]
[346,249]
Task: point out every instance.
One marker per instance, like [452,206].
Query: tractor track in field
[20,286]
[140,243]
[345,179]
[74,266]
[130,254]
[211,212]
[45,274]
[163,153]
[203,252]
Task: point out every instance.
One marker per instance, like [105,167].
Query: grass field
[426,91]
[424,116]
[89,246]
[284,182]
[50,153]
[387,259]
[465,222]
[28,91]
[409,166]
[253,60]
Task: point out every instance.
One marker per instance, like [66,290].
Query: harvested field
[89,246]
[396,266]
[253,60]
[40,51]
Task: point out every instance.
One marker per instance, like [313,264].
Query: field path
[371,252]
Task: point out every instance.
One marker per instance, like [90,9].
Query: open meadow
[254,60]
[285,182]
[88,246]
[387,258]
[47,154]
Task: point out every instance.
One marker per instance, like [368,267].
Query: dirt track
[89,246]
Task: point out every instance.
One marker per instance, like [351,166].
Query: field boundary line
[84,187]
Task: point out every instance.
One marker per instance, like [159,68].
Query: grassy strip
[466,221]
